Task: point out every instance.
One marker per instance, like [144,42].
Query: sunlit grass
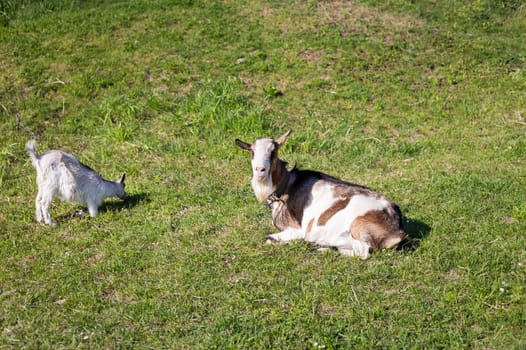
[422,101]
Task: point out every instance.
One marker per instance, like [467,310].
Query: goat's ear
[283,137]
[243,145]
[123,177]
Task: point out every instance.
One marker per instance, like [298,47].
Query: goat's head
[120,187]
[264,152]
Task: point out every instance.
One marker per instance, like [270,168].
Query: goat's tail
[31,147]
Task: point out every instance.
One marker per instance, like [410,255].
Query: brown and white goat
[319,208]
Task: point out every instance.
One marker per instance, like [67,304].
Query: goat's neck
[277,176]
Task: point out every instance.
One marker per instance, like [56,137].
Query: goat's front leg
[93,209]
[287,235]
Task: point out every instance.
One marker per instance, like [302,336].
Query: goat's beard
[263,187]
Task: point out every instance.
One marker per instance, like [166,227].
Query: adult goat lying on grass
[321,209]
[59,174]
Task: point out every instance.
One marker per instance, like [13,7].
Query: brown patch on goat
[378,228]
[349,190]
[309,226]
[333,209]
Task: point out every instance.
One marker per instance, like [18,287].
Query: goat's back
[333,205]
[72,179]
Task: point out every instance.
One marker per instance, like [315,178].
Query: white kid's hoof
[79,213]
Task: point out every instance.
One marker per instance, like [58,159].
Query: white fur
[261,178]
[262,187]
[59,174]
[335,232]
[261,161]
[289,234]
[358,205]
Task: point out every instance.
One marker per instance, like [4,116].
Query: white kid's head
[120,192]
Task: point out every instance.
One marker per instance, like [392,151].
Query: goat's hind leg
[349,246]
[45,202]
[38,207]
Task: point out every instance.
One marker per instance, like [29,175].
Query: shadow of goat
[128,202]
[417,230]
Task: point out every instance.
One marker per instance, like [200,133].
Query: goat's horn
[283,137]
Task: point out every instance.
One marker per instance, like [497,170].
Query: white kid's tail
[31,147]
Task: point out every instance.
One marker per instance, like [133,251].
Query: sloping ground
[424,101]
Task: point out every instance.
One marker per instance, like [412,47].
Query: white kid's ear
[123,177]
[283,137]
[243,145]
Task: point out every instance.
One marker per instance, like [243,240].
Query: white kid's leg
[45,202]
[93,210]
[286,235]
[38,207]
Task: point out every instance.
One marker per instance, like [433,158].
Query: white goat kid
[321,209]
[59,174]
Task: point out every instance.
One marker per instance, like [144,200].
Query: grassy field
[422,100]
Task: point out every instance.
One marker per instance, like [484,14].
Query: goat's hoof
[79,213]
[323,249]
[270,240]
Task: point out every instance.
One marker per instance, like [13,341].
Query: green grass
[424,101]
